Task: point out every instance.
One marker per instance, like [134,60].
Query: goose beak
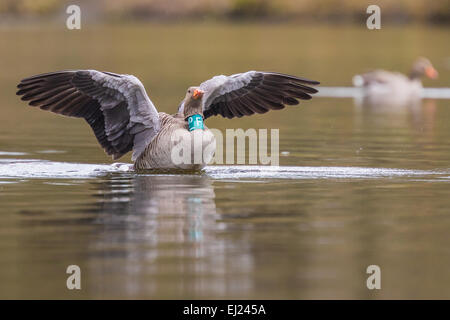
[198,93]
[431,73]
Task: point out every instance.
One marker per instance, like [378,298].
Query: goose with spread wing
[124,119]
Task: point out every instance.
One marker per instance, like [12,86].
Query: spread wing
[116,106]
[253,92]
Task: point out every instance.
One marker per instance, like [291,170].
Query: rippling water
[356,186]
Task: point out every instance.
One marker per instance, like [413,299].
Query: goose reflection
[388,109]
[383,103]
[150,205]
[160,236]
[416,114]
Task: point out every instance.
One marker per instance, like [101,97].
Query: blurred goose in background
[123,117]
[393,88]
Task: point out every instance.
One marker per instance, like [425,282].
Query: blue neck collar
[195,122]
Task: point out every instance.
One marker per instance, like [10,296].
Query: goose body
[159,152]
[386,82]
[124,119]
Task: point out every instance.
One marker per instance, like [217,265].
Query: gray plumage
[421,67]
[385,89]
[252,92]
[115,106]
[124,118]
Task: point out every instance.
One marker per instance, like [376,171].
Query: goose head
[193,102]
[423,67]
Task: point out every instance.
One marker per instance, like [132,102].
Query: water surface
[356,185]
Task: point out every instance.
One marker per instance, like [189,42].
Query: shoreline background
[271,11]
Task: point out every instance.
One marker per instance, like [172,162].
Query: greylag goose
[387,88]
[124,119]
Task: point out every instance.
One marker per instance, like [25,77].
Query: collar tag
[195,122]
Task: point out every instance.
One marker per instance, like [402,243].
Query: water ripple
[20,168]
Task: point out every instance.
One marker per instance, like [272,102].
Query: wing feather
[116,106]
[253,92]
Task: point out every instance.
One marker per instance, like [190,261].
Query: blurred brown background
[398,11]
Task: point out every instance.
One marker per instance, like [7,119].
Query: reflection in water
[137,236]
[387,102]
[159,234]
[395,111]
[137,202]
